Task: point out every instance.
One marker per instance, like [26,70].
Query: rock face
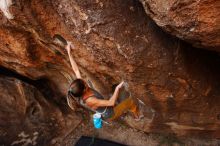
[195,21]
[28,118]
[116,41]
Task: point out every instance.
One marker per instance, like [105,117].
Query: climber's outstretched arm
[95,103]
[72,61]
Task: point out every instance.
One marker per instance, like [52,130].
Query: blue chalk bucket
[97,120]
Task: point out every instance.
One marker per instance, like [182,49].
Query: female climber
[88,97]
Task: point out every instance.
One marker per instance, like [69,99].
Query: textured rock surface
[116,41]
[195,21]
[28,118]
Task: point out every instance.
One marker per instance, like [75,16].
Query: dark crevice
[43,85]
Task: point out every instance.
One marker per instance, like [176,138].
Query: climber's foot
[139,117]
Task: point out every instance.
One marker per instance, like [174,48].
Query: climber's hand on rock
[72,46]
[120,85]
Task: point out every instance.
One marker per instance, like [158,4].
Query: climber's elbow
[111,103]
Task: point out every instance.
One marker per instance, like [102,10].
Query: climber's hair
[77,88]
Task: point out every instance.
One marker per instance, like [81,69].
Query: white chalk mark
[176,126]
[26,139]
[4,6]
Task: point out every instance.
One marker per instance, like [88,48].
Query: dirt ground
[120,133]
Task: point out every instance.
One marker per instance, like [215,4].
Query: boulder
[194,21]
[116,41]
[29,118]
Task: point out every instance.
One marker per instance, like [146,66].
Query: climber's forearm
[74,66]
[114,97]
[102,102]
[72,61]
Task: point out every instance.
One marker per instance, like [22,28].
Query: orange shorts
[124,106]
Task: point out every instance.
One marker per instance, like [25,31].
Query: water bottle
[97,120]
